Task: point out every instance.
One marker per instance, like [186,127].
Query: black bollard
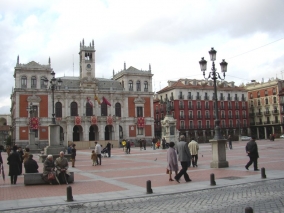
[212,180]
[248,210]
[69,194]
[263,175]
[149,189]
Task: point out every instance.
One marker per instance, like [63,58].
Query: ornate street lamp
[213,74]
[30,109]
[54,84]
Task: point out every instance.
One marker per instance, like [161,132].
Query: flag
[140,122]
[94,120]
[77,120]
[106,101]
[97,99]
[34,123]
[89,101]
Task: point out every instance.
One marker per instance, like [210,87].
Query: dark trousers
[183,171]
[13,179]
[194,159]
[230,145]
[99,157]
[109,153]
[128,150]
[252,159]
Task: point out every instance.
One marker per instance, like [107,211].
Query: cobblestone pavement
[265,196]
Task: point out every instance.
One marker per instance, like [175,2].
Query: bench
[36,178]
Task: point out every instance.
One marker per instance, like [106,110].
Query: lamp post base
[218,154]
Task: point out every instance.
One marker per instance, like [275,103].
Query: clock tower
[87,61]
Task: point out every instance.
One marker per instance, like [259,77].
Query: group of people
[16,158]
[96,156]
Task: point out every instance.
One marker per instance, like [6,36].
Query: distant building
[5,122]
[266,107]
[125,109]
[193,106]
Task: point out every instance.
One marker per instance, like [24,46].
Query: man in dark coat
[183,156]
[14,161]
[128,145]
[108,149]
[252,151]
[21,153]
[31,165]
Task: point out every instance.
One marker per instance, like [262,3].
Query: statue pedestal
[32,146]
[218,154]
[169,131]
[54,141]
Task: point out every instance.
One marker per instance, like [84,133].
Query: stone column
[265,133]
[257,132]
[273,130]
[218,154]
[54,140]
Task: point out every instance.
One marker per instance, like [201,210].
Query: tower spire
[18,59]
[124,66]
[49,62]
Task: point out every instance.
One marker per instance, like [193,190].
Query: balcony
[198,107]
[266,113]
[172,98]
[182,127]
[244,116]
[236,98]
[208,127]
[207,116]
[181,106]
[190,107]
[206,97]
[275,122]
[258,114]
[181,97]
[230,116]
[229,107]
[161,109]
[237,107]
[258,123]
[199,116]
[181,117]
[207,107]
[237,116]
[223,116]
[251,123]
[223,125]
[244,99]
[266,122]
[244,107]
[221,98]
[190,117]
[275,112]
[222,107]
[199,127]
[198,97]
[251,115]
[191,126]
[189,97]
[229,98]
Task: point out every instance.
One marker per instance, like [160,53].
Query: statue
[168,107]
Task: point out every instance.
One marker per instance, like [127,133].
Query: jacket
[251,147]
[193,147]
[183,151]
[31,166]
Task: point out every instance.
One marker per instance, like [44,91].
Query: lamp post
[218,142]
[30,109]
[214,75]
[54,83]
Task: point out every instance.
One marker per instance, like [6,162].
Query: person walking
[94,157]
[230,142]
[98,151]
[73,154]
[14,162]
[183,156]
[172,160]
[144,143]
[252,151]
[141,144]
[128,145]
[193,148]
[163,143]
[154,140]
[21,154]
[108,149]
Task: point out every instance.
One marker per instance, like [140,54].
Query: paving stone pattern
[263,197]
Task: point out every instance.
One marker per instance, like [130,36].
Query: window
[266,101]
[274,100]
[130,85]
[139,111]
[140,131]
[89,109]
[33,82]
[58,110]
[24,82]
[182,125]
[42,85]
[138,86]
[199,124]
[103,109]
[191,124]
[74,109]
[118,109]
[207,124]
[145,86]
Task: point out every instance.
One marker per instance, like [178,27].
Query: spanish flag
[97,99]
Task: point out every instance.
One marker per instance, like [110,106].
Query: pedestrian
[141,144]
[154,143]
[183,156]
[14,162]
[252,151]
[73,154]
[226,146]
[163,143]
[26,155]
[158,144]
[172,161]
[193,148]
[123,143]
[69,149]
[144,143]
[31,165]
[128,145]
[94,157]
[230,142]
[8,150]
[21,153]
[98,151]
[273,137]
[108,149]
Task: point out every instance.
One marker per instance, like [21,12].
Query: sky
[170,35]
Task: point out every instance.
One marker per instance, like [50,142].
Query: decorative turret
[149,67]
[124,66]
[49,61]
[18,60]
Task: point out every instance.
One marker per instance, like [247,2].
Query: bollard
[149,189]
[263,175]
[248,210]
[69,194]
[212,180]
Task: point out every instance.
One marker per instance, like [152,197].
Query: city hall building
[86,107]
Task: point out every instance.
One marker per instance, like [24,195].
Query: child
[94,157]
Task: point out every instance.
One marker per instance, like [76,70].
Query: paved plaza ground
[119,184]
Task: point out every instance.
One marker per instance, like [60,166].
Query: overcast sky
[172,36]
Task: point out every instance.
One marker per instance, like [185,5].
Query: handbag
[51,176]
[167,171]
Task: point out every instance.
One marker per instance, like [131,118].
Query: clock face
[88,66]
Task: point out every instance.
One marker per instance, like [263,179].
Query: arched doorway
[93,133]
[77,132]
[108,132]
